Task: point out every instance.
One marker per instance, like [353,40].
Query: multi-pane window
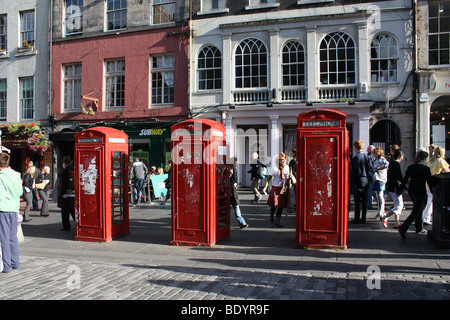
[116,13]
[163,11]
[26,98]
[210,68]
[27,28]
[293,64]
[439,33]
[211,5]
[3,99]
[337,59]
[255,3]
[74,16]
[115,84]
[251,64]
[383,58]
[162,71]
[3,32]
[72,87]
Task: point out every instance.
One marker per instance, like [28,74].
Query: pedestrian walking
[10,192]
[234,198]
[361,167]
[138,173]
[380,168]
[66,200]
[278,196]
[394,179]
[390,157]
[437,165]
[43,188]
[35,193]
[417,175]
[168,183]
[28,184]
[370,193]
[255,175]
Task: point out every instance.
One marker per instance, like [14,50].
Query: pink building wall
[136,48]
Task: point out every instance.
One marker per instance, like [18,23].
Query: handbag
[41,186]
[292,179]
[284,188]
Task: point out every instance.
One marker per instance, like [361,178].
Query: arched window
[383,58]
[293,64]
[440,123]
[251,64]
[337,59]
[385,133]
[209,68]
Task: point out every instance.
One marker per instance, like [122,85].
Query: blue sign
[159,187]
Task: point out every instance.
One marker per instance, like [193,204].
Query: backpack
[264,172]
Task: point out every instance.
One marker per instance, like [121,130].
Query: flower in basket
[32,133]
[22,131]
[38,143]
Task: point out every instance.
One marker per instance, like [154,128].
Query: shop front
[433,114]
[271,129]
[149,141]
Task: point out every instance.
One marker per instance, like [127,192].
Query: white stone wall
[35,63]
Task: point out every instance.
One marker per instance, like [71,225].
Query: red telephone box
[322,179]
[101,184]
[200,183]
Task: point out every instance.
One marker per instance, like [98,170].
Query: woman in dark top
[28,190]
[394,179]
[44,177]
[417,174]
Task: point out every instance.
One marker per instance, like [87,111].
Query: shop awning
[149,130]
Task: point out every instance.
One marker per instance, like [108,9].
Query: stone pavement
[257,263]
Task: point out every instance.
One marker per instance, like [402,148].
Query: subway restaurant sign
[152,132]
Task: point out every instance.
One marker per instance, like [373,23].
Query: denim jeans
[138,190]
[237,213]
[9,241]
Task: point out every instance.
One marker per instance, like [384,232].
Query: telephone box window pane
[222,194]
[118,181]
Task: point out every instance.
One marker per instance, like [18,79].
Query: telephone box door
[90,218]
[200,205]
[101,169]
[190,225]
[322,175]
[319,198]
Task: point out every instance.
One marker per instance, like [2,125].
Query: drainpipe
[191,31]
[415,77]
[50,34]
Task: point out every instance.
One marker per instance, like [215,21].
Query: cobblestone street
[258,263]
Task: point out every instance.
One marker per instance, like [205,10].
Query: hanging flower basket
[37,142]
